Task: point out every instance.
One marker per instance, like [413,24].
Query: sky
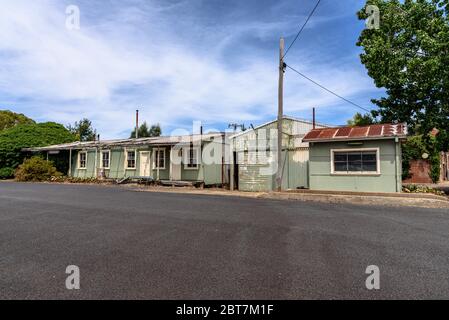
[214,61]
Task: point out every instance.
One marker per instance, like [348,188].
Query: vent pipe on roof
[137,124]
[313,117]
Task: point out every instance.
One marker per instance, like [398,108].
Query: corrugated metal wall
[257,169]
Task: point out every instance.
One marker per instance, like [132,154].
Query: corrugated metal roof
[375,131]
[233,136]
[153,141]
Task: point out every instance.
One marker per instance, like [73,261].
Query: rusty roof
[374,131]
[153,141]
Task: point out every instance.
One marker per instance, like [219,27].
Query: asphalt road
[142,245]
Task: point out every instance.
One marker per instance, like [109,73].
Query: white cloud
[131,59]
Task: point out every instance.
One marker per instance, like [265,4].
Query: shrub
[36,169]
[13,140]
[6,173]
[414,148]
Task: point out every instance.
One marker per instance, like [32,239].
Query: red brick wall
[419,171]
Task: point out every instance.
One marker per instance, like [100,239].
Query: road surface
[145,245]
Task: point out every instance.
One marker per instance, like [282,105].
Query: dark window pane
[340,156]
[368,156]
[354,166]
[341,167]
[355,157]
[354,162]
[369,166]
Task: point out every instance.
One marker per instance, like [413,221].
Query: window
[159,159]
[105,159]
[82,160]
[131,159]
[192,160]
[362,161]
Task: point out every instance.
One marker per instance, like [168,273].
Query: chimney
[313,117]
[137,124]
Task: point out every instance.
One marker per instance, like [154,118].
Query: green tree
[13,140]
[155,130]
[145,132]
[409,57]
[361,120]
[83,130]
[9,119]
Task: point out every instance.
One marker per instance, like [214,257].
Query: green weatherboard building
[362,159]
[191,158]
[314,156]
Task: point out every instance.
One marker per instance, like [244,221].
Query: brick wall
[419,171]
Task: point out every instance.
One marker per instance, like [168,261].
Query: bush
[13,140]
[36,169]
[6,173]
[414,148]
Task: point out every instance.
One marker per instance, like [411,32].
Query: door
[236,172]
[175,164]
[145,164]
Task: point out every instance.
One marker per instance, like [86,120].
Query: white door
[145,164]
[175,164]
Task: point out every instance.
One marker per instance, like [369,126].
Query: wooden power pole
[280,114]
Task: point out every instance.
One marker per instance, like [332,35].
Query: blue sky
[179,61]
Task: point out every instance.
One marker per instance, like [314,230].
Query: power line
[328,90]
[302,28]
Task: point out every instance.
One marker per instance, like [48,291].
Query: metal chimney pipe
[313,121]
[137,124]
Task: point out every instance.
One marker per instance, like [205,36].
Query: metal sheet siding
[252,175]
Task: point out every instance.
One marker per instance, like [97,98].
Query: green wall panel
[322,179]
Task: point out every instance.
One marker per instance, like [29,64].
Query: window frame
[126,159]
[155,164]
[79,160]
[187,158]
[109,159]
[356,173]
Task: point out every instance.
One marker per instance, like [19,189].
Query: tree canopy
[409,57]
[145,132]
[13,140]
[83,130]
[361,120]
[9,119]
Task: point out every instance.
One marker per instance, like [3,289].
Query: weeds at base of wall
[76,180]
[412,188]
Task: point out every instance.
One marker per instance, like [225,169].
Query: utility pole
[280,113]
